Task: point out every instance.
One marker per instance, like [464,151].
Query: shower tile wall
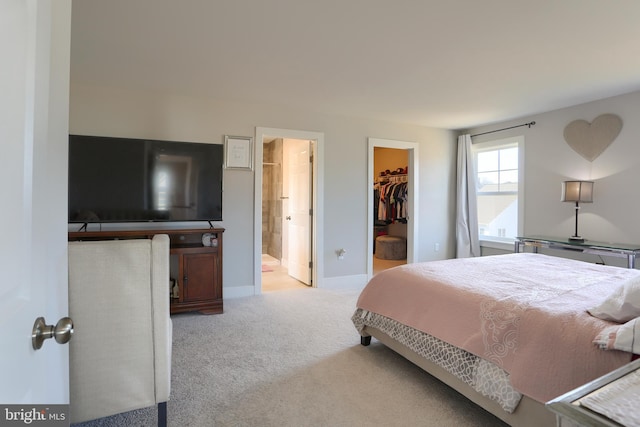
[271,199]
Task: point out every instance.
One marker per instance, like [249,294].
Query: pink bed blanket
[527,313]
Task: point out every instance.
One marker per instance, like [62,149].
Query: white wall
[138,114]
[549,160]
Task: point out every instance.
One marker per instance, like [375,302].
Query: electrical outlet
[436,247]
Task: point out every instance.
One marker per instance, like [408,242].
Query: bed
[510,332]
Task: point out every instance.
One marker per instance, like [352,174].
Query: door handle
[62,331]
[288,218]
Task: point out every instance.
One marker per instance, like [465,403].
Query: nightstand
[611,400]
[619,250]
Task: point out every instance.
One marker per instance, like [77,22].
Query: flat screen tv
[131,180]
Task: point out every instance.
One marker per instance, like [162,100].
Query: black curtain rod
[500,130]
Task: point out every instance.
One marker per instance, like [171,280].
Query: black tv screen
[129,180]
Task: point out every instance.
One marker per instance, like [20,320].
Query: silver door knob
[41,331]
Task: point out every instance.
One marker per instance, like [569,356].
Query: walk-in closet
[390,207]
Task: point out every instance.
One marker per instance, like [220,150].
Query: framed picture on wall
[238,152]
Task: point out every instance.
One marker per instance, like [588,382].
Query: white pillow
[622,305]
[620,337]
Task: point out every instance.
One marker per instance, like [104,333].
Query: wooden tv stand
[196,268]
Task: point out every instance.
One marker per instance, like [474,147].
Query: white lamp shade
[577,191]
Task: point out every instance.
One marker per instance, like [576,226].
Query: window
[499,183]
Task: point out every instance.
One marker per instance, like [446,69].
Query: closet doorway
[390,179]
[393,201]
[287,197]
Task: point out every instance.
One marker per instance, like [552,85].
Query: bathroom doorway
[288,196]
[286,219]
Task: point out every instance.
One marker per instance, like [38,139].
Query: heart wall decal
[591,139]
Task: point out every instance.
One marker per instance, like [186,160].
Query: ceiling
[451,64]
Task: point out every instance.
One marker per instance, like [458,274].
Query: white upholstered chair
[120,354]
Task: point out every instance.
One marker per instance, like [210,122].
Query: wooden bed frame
[529,413]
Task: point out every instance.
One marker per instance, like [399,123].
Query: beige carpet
[293,358]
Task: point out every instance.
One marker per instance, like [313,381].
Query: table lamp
[578,192]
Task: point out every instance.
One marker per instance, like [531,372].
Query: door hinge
[310,264]
[310,212]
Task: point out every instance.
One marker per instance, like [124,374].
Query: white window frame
[505,243]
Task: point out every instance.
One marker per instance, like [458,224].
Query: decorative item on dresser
[196,265]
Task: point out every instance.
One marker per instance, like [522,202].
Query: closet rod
[500,130]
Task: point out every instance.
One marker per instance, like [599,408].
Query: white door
[34,108]
[297,179]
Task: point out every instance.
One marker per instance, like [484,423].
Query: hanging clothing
[392,202]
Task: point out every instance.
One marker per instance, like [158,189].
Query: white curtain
[467,242]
